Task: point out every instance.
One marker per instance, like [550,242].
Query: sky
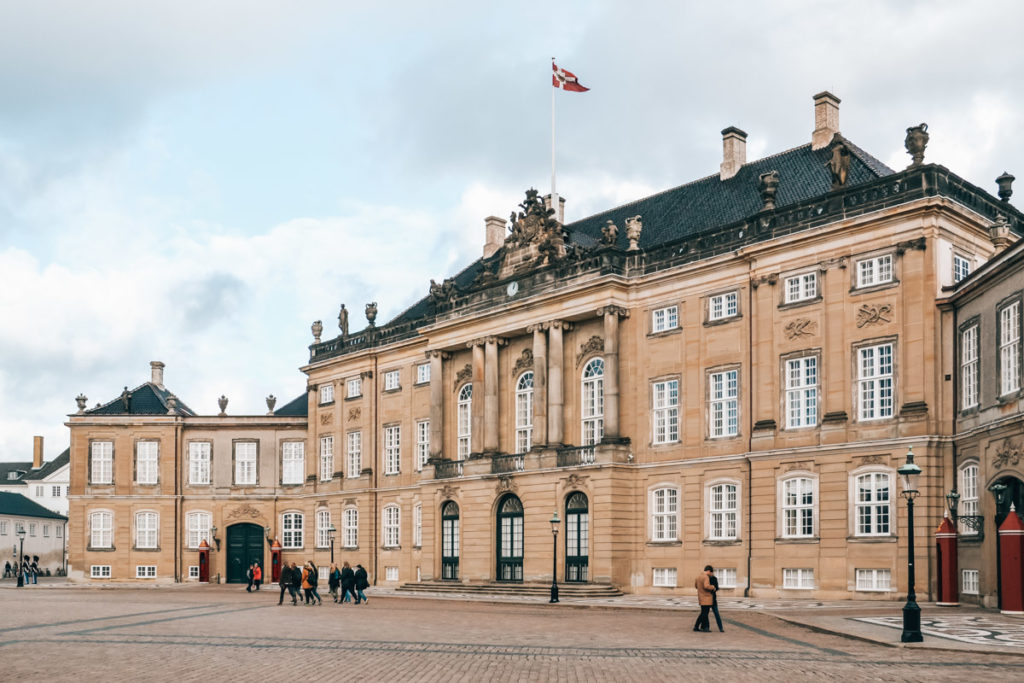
[196,182]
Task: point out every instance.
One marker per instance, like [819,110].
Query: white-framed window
[874,271]
[464,417]
[39,490]
[99,571]
[327,393]
[798,507]
[193,571]
[392,449]
[422,373]
[874,381]
[197,528]
[291,530]
[199,463]
[664,319]
[146,462]
[32,528]
[147,530]
[961,267]
[55,491]
[3,527]
[101,462]
[355,454]
[391,573]
[800,579]
[322,573]
[391,382]
[293,462]
[326,458]
[723,306]
[417,525]
[874,579]
[592,401]
[723,512]
[872,503]
[665,514]
[969,367]
[1009,348]
[801,392]
[969,581]
[664,576]
[422,443]
[59,531]
[101,529]
[801,287]
[46,531]
[350,528]
[392,526]
[726,577]
[323,528]
[245,463]
[968,490]
[724,413]
[354,387]
[145,571]
[666,411]
[524,412]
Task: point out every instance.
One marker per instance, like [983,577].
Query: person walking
[314,579]
[296,582]
[248,577]
[361,584]
[333,581]
[257,575]
[348,583]
[7,569]
[306,586]
[285,581]
[705,597]
[714,601]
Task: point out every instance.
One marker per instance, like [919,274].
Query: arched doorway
[450,541]
[245,546]
[577,538]
[510,539]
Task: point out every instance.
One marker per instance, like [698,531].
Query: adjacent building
[44,540]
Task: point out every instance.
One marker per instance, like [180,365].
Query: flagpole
[554,197]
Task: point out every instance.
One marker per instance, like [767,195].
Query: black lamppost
[555,521]
[909,472]
[331,530]
[19,566]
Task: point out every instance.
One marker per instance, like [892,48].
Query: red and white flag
[565,80]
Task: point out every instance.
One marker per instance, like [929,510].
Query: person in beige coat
[705,597]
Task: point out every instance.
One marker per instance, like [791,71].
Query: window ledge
[665,333]
[669,544]
[421,384]
[391,474]
[868,289]
[797,540]
[722,321]
[292,483]
[391,547]
[136,549]
[91,549]
[354,398]
[392,391]
[715,542]
[328,403]
[785,306]
[1008,397]
[871,539]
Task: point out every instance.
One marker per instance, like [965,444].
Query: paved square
[220,633]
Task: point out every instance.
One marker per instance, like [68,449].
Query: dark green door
[245,546]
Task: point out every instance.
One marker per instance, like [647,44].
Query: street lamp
[19,566]
[555,521]
[331,530]
[909,473]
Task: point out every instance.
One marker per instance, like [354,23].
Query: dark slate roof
[463,279]
[50,467]
[7,467]
[297,407]
[20,506]
[145,399]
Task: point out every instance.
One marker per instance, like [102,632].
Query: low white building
[45,483]
[45,532]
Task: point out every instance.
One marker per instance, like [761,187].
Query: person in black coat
[286,583]
[348,583]
[361,584]
[714,603]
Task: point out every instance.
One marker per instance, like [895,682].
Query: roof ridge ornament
[916,142]
[839,162]
[768,185]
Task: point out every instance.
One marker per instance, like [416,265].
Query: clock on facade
[512,289]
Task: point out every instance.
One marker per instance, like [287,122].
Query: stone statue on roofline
[343,321]
[839,162]
[634,226]
[609,234]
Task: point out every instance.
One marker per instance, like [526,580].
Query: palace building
[728,372]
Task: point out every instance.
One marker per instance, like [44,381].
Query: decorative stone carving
[371,313]
[839,163]
[771,279]
[609,234]
[801,327]
[874,460]
[920,244]
[223,403]
[317,328]
[81,400]
[506,484]
[448,491]
[634,227]
[326,418]
[524,362]
[593,345]
[874,315]
[245,512]
[1008,454]
[612,309]
[768,185]
[443,292]
[800,467]
[1005,183]
[354,413]
[999,232]
[575,481]
[534,222]
[126,399]
[463,375]
[916,142]
[343,321]
[271,402]
[172,404]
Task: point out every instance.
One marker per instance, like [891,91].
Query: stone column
[491,395]
[611,368]
[556,428]
[540,383]
[437,359]
[476,440]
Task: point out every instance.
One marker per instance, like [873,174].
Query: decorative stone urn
[916,141]
[371,313]
[999,232]
[172,404]
[223,403]
[634,226]
[81,400]
[768,185]
[1005,183]
[317,328]
[271,402]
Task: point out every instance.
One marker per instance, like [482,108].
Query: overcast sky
[196,183]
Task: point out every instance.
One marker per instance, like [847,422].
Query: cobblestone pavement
[218,633]
[975,629]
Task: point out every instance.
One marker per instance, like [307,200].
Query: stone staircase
[565,590]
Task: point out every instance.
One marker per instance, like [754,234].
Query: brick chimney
[495,228]
[37,452]
[826,119]
[157,372]
[734,152]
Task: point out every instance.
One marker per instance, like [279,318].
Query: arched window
[577,538]
[450,540]
[146,529]
[592,401]
[524,412]
[291,525]
[968,489]
[101,525]
[465,419]
[510,539]
[197,526]
[350,528]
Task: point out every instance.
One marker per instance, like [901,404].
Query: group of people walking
[255,576]
[27,568]
[350,582]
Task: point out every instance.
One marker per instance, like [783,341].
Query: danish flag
[565,80]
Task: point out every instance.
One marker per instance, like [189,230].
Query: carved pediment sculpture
[524,362]
[593,345]
[1009,454]
[874,315]
[463,375]
[245,511]
[443,292]
[506,484]
[839,163]
[534,220]
[801,327]
[609,233]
